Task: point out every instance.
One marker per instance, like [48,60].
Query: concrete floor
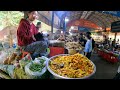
[104,69]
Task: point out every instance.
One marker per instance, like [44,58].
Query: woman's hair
[26,13]
[29,11]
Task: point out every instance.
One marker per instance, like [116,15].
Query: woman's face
[32,15]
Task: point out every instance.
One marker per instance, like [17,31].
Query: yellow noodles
[72,66]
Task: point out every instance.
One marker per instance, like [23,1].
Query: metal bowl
[56,76]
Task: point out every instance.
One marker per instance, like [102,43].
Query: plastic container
[56,50]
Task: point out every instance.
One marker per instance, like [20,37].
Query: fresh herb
[36,67]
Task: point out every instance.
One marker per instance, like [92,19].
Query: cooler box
[56,50]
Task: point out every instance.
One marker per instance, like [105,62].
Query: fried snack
[73,45]
[17,58]
[6,61]
[72,66]
[72,51]
[12,58]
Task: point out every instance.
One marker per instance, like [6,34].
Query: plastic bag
[36,74]
[19,73]
[27,57]
[4,75]
[9,69]
[3,56]
[24,61]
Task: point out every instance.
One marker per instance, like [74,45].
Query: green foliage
[10,18]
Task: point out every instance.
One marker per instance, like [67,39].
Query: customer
[93,41]
[110,42]
[106,41]
[38,26]
[88,47]
[82,40]
[113,43]
[25,36]
[118,41]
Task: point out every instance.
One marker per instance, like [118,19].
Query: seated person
[26,36]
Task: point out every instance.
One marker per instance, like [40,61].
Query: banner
[115,26]
[114,13]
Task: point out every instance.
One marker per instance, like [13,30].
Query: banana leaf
[9,69]
[4,75]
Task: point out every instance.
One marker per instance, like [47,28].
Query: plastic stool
[24,53]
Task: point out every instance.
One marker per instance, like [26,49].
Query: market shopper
[93,41]
[88,47]
[106,41]
[25,36]
[118,41]
[38,26]
[82,40]
[110,42]
[113,43]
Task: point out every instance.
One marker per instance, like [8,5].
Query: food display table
[108,55]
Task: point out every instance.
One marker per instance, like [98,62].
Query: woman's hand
[33,38]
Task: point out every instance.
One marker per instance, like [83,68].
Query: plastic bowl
[56,76]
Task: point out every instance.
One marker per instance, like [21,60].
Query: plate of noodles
[65,66]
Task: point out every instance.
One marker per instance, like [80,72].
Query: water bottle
[14,46]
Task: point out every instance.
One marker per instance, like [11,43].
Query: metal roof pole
[115,36]
[64,25]
[52,22]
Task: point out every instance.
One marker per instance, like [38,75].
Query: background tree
[8,19]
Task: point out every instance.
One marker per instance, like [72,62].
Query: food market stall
[17,67]
[109,55]
[111,52]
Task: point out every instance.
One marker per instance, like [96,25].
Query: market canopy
[88,19]
[100,19]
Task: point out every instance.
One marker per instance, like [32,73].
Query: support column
[64,26]
[115,36]
[52,22]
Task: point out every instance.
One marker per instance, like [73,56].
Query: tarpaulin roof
[102,19]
